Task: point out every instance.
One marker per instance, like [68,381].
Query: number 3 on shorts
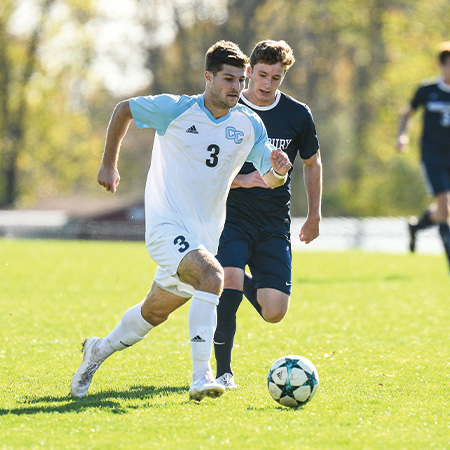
[182,243]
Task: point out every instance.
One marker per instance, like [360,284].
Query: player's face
[445,69]
[224,88]
[264,82]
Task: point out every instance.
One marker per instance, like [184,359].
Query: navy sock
[250,292]
[226,329]
[424,222]
[444,231]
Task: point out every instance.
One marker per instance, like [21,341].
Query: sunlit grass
[376,327]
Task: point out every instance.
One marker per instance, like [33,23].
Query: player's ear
[248,71]
[208,76]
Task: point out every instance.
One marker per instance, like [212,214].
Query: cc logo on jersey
[234,135]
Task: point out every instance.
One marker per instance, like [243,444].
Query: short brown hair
[444,51]
[272,52]
[224,52]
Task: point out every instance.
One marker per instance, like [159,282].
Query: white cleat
[227,381]
[205,386]
[82,378]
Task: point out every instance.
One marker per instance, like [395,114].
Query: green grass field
[376,326]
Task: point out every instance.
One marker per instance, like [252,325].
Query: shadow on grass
[354,279]
[279,408]
[108,399]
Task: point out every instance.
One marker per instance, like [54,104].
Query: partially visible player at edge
[200,145]
[257,227]
[434,96]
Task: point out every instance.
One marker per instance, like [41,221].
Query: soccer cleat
[205,386]
[412,234]
[82,378]
[227,380]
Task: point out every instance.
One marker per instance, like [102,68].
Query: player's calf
[130,330]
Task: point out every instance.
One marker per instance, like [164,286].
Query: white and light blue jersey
[194,161]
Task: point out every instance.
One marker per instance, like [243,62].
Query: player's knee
[274,305]
[217,278]
[442,215]
[442,212]
[274,313]
[234,278]
[273,316]
[212,279]
[202,271]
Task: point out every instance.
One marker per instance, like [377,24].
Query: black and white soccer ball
[293,380]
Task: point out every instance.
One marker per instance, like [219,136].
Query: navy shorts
[267,254]
[437,176]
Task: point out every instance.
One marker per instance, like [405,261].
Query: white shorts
[167,249]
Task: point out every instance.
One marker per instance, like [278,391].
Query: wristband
[277,175]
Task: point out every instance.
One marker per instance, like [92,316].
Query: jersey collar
[201,102]
[262,108]
[442,86]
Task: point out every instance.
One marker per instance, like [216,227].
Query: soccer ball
[292,380]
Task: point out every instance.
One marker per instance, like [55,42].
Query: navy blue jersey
[290,126]
[434,96]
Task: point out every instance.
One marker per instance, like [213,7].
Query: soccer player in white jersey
[200,144]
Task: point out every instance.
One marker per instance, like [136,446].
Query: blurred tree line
[357,64]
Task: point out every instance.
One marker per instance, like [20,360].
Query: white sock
[202,324]
[131,329]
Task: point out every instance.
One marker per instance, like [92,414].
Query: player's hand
[310,230]
[250,180]
[109,178]
[280,162]
[402,143]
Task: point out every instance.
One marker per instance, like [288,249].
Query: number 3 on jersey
[182,243]
[213,159]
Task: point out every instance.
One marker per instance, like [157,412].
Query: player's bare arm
[108,175]
[403,139]
[277,175]
[312,174]
[250,180]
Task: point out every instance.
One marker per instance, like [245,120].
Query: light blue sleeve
[158,111]
[262,148]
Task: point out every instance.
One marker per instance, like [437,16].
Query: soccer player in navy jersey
[434,96]
[257,227]
[200,144]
